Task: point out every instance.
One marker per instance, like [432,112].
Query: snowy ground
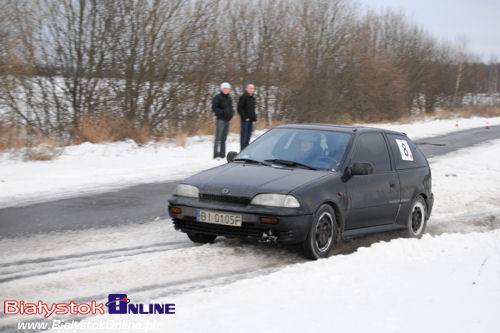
[447,281]
[90,168]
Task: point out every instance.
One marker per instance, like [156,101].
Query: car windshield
[314,149]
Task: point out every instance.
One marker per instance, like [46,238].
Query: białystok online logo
[117,304]
[120,304]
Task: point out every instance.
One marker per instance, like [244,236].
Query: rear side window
[406,154]
[371,147]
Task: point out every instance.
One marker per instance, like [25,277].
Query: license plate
[218,218]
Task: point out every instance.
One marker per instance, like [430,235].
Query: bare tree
[154,65]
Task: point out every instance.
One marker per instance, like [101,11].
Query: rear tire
[417,218]
[202,238]
[322,234]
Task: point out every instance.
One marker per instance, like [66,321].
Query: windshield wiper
[249,160]
[291,163]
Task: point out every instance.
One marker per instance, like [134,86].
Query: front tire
[202,238]
[417,218]
[322,234]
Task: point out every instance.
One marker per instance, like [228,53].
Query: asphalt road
[444,144]
[147,202]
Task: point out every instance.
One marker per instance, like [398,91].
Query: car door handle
[392,184]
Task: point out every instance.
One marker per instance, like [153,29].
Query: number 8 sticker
[404,149]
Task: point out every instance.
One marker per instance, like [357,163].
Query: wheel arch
[426,201]
[404,210]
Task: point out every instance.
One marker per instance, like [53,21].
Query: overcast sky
[478,21]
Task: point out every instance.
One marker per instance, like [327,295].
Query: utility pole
[457,84]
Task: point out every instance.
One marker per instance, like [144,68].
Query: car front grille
[225,198]
[221,230]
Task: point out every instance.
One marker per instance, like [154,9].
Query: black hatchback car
[313,184]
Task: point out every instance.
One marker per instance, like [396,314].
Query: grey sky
[477,21]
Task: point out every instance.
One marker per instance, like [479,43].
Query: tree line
[156,64]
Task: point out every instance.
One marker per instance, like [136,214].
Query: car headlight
[275,200]
[184,190]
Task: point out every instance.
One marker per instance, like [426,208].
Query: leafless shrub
[11,137]
[43,151]
[468,111]
[109,128]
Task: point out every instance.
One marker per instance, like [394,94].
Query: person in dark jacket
[246,109]
[222,106]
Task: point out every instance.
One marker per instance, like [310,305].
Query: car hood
[247,180]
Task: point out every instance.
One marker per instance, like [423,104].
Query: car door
[372,199]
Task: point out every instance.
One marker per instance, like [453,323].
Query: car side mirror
[230,156]
[361,168]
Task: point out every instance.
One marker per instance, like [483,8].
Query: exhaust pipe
[268,237]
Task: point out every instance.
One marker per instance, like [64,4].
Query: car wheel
[202,238]
[322,234]
[417,218]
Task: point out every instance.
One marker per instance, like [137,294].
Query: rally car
[313,184]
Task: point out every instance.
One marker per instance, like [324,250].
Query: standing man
[246,109]
[222,106]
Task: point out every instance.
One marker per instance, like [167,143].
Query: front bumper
[290,228]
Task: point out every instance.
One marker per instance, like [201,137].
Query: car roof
[339,128]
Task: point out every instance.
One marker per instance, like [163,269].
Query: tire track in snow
[84,254]
[30,268]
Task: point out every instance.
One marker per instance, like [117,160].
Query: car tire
[322,234]
[202,238]
[417,218]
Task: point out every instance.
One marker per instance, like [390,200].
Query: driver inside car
[309,148]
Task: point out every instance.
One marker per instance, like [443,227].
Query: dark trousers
[246,133]
[221,130]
